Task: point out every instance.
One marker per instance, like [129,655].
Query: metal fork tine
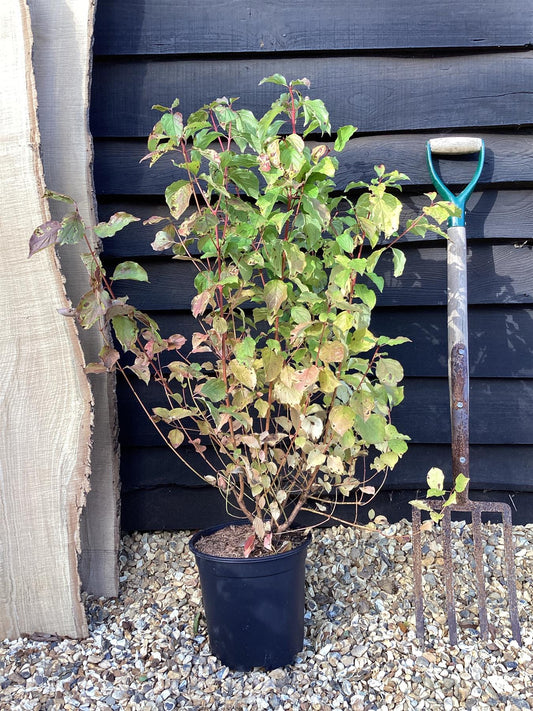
[480,574]
[448,576]
[417,574]
[508,548]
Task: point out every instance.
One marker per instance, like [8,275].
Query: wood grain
[44,395]
[62,80]
[170,27]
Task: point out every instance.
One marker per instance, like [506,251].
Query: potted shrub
[284,376]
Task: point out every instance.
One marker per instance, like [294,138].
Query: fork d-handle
[454,146]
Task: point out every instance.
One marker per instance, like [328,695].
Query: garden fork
[458,377]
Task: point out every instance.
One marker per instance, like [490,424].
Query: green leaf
[115,223]
[275,293]
[177,413]
[286,395]
[92,306]
[345,242]
[245,350]
[341,418]
[213,389]
[389,371]
[315,458]
[72,229]
[327,380]
[300,314]
[385,210]
[420,504]
[274,79]
[344,133]
[176,437]
[177,196]
[245,180]
[398,260]
[272,364]
[435,478]
[461,482]
[126,331]
[59,197]
[332,352]
[262,407]
[173,125]
[130,270]
[371,430]
[243,374]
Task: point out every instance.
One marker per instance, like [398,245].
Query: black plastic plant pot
[254,607]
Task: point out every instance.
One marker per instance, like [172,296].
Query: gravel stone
[148,648]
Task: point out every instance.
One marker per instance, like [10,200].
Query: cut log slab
[62,65]
[45,399]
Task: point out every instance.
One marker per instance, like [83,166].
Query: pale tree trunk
[45,399]
[62,32]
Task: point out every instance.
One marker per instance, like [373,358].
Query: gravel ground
[148,649]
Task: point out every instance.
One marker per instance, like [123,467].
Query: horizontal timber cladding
[145,467]
[374,93]
[498,273]
[181,27]
[176,508]
[501,338]
[500,412]
[490,215]
[508,159]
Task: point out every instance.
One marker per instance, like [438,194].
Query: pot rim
[239,522]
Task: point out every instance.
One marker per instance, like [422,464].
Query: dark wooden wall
[402,72]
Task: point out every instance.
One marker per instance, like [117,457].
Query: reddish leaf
[109,356]
[67,311]
[176,341]
[200,448]
[44,236]
[199,303]
[249,545]
[92,306]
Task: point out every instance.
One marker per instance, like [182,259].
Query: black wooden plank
[175,508]
[501,411]
[508,159]
[490,465]
[497,273]
[171,508]
[501,338]
[181,27]
[374,93]
[491,215]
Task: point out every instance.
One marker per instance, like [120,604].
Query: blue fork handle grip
[446,193]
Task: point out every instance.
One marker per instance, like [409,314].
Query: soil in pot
[228,542]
